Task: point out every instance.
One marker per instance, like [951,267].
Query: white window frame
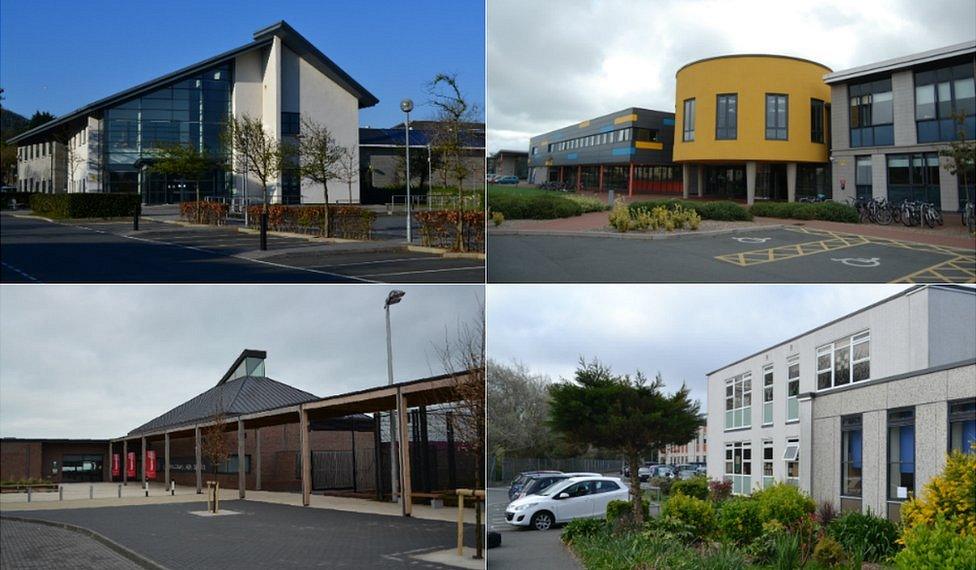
[768,388]
[790,362]
[788,458]
[744,410]
[741,481]
[768,480]
[854,340]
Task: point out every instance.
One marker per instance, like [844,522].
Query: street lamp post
[392,299]
[406,106]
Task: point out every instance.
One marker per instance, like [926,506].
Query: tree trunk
[326,219]
[199,212]
[459,241]
[636,495]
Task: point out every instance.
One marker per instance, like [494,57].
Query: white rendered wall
[247,100]
[271,104]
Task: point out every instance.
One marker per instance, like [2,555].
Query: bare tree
[258,153]
[216,442]
[319,158]
[74,160]
[349,168]
[453,111]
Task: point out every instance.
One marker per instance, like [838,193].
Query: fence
[505,469]
[432,202]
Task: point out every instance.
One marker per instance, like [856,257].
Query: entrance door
[77,468]
[725,181]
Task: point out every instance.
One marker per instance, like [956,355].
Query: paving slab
[31,545]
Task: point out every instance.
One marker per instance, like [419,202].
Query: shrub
[874,537]
[695,487]
[829,211]
[951,494]
[826,513]
[349,222]
[937,545]
[763,549]
[663,483]
[212,213]
[20,198]
[784,503]
[497,218]
[697,514]
[724,558]
[739,520]
[438,228]
[719,490]
[98,205]
[620,219]
[728,211]
[624,218]
[829,553]
[617,509]
[580,528]
[534,207]
[786,552]
[589,204]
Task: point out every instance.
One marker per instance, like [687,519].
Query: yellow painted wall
[751,77]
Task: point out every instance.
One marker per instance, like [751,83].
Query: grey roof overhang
[903,62]
[262,38]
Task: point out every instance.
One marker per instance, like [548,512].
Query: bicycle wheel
[884,216]
[928,216]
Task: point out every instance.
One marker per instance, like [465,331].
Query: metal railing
[398,202]
[506,469]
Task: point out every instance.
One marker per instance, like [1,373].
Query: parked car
[574,498]
[537,483]
[687,474]
[524,478]
[666,471]
[491,178]
[507,180]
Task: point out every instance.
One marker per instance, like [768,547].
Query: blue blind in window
[906,451]
[856,449]
[968,435]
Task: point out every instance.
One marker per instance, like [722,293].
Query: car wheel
[542,520]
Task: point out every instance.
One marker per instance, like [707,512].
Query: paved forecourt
[264,535]
[788,254]
[34,545]
[524,548]
[34,250]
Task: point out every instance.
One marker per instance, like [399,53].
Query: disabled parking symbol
[749,239]
[859,261]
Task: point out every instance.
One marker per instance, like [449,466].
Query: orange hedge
[349,222]
[213,213]
[438,228]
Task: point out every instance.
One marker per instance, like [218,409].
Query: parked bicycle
[916,213]
[814,199]
[557,186]
[874,210]
[968,216]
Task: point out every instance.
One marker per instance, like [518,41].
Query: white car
[575,498]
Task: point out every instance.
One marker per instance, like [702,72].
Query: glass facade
[901,454]
[816,121]
[914,177]
[725,181]
[688,121]
[192,111]
[725,116]
[962,426]
[940,94]
[871,113]
[771,181]
[777,116]
[863,176]
[851,456]
[812,181]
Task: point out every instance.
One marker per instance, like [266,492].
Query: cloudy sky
[551,64]
[98,361]
[681,331]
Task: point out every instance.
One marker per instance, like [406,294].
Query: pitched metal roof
[903,62]
[263,37]
[245,395]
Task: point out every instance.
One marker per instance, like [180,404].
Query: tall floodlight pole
[392,299]
[430,177]
[406,106]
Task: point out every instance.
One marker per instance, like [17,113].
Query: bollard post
[145,487]
[91,491]
[264,229]
[135,217]
[610,197]
[460,523]
[172,488]
[28,494]
[60,492]
[479,538]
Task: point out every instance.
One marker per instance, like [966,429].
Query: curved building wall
[750,77]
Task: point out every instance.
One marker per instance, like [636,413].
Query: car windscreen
[548,491]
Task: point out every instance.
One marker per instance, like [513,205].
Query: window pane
[944,103]
[965,96]
[842,366]
[882,109]
[925,102]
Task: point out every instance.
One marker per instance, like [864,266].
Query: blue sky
[57,55]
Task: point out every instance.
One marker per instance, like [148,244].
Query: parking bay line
[963,266]
[468,268]
[374,262]
[792,251]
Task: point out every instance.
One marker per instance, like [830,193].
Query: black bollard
[264,231]
[135,217]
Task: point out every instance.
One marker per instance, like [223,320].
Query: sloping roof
[421,134]
[245,395]
[902,62]
[263,37]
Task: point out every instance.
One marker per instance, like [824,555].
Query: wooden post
[405,487]
[142,460]
[166,458]
[241,476]
[199,461]
[451,464]
[601,178]
[460,523]
[305,456]
[353,434]
[257,458]
[125,462]
[107,469]
[378,456]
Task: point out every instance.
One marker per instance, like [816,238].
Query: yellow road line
[961,269]
[792,251]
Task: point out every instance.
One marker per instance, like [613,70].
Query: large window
[791,457]
[777,116]
[850,455]
[871,113]
[940,94]
[725,116]
[768,395]
[863,176]
[688,121]
[962,426]
[901,453]
[914,177]
[793,389]
[844,361]
[816,121]
[291,123]
[767,475]
[738,401]
[738,466]
[812,180]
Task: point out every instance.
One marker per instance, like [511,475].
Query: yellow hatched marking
[783,252]
[961,269]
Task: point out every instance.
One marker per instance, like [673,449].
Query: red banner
[150,464]
[116,465]
[130,464]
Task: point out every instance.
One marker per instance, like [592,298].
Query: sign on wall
[116,465]
[151,464]
[130,464]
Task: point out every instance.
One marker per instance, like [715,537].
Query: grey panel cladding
[903,92]
[952,337]
[610,153]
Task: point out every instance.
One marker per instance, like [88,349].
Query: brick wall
[20,460]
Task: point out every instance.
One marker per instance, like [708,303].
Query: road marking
[309,270]
[375,262]
[748,239]
[859,261]
[783,252]
[482,267]
[23,274]
[961,269]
